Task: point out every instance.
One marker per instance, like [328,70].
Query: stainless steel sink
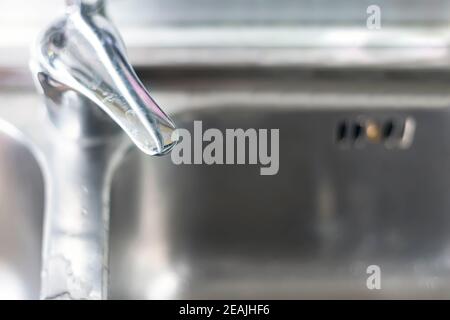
[21,212]
[338,204]
[310,231]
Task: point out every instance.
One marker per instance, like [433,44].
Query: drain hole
[392,132]
[341,131]
[388,129]
[357,131]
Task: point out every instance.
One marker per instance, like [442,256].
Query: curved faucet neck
[80,64]
[88,7]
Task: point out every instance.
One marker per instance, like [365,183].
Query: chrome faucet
[92,95]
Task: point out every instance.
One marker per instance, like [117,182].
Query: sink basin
[336,206]
[21,212]
[311,231]
[339,204]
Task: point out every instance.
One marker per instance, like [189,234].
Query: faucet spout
[82,57]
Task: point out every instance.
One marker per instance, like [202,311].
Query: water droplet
[111,98]
[130,115]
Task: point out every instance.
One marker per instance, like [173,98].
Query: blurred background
[177,32]
[350,192]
